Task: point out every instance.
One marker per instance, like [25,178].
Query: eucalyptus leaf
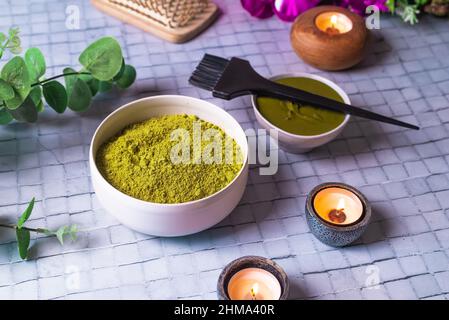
[80,96]
[13,31]
[56,96]
[26,214]
[93,83]
[128,77]
[6,90]
[122,69]
[70,231]
[15,73]
[16,49]
[103,58]
[5,116]
[23,242]
[104,86]
[40,106]
[36,96]
[14,42]
[60,233]
[69,79]
[35,63]
[26,112]
[78,92]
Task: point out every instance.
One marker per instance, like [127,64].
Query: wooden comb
[172,20]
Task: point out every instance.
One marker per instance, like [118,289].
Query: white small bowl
[295,143]
[168,219]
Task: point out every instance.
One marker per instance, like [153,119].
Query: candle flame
[334,19]
[341,204]
[254,290]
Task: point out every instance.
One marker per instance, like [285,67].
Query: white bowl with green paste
[135,180]
[302,128]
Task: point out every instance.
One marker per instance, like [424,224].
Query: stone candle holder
[334,234]
[251,262]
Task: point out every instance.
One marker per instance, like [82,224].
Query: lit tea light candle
[254,284]
[254,291]
[338,205]
[252,278]
[333,23]
[337,213]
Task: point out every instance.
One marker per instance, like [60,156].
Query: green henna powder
[138,160]
[302,120]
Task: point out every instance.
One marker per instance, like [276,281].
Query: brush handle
[275,90]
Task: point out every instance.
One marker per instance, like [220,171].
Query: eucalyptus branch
[13,226]
[11,42]
[25,91]
[23,232]
[60,76]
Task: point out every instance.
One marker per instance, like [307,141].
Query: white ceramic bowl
[168,219]
[297,143]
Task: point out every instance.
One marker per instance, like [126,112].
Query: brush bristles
[208,72]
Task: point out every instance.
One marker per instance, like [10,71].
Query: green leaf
[36,96]
[80,96]
[35,63]
[103,58]
[70,231]
[2,37]
[40,106]
[128,77]
[93,83]
[26,112]
[122,69]
[78,92]
[60,233]
[410,14]
[104,86]
[16,49]
[56,96]
[16,74]
[13,31]
[14,42]
[26,214]
[23,242]
[5,116]
[69,80]
[6,91]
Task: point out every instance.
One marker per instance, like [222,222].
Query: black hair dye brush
[228,79]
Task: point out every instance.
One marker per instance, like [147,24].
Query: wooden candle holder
[328,51]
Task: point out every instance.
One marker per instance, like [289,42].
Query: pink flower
[259,8]
[286,10]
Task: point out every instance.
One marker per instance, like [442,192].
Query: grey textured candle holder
[251,262]
[333,234]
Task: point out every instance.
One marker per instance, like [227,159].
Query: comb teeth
[208,72]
